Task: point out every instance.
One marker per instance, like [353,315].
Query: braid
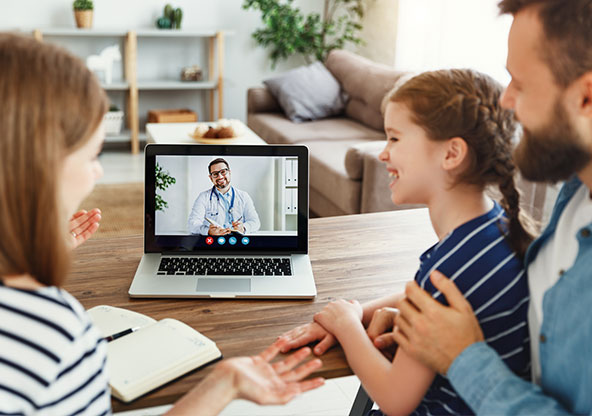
[518,236]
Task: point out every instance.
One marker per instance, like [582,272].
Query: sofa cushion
[276,128]
[365,82]
[328,175]
[308,93]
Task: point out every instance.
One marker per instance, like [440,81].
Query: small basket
[113,121]
[181,115]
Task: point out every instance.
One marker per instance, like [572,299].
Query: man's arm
[196,222]
[448,339]
[489,387]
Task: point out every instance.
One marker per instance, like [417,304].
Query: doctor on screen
[222,208]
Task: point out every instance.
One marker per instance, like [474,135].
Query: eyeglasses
[217,173]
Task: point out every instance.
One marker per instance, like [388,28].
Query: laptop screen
[225,199]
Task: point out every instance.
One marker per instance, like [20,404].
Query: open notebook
[156,353]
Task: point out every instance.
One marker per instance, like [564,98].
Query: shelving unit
[132,86]
[287,191]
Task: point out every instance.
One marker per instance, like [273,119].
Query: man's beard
[552,153]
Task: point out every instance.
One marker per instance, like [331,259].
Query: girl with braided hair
[448,140]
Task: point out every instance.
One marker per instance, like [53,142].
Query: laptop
[225,221]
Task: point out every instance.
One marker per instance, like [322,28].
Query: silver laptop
[225,222]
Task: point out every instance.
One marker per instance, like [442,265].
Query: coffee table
[170,133]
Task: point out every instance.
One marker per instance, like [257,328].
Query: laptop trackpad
[223,285]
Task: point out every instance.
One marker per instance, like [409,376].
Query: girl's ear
[456,153]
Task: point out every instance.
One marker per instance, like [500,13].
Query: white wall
[246,64]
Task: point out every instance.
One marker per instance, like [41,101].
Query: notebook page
[111,320]
[152,356]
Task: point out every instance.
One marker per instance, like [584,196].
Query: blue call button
[221,240]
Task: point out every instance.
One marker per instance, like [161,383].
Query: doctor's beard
[222,185]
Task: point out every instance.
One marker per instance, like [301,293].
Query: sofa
[346,176]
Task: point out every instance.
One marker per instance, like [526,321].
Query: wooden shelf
[124,136]
[176,85]
[131,86]
[116,86]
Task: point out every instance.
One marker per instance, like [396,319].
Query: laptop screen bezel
[178,244]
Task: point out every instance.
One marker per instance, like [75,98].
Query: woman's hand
[337,316]
[251,378]
[258,380]
[83,225]
[305,334]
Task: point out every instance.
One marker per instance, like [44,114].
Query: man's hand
[213,230]
[83,225]
[380,330]
[305,334]
[339,315]
[238,226]
[259,381]
[431,332]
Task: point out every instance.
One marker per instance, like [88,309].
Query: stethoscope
[230,208]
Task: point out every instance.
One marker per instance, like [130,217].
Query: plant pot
[113,120]
[84,18]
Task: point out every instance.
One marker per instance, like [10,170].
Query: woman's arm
[397,387]
[250,378]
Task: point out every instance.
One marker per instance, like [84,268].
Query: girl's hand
[338,315]
[305,334]
[83,225]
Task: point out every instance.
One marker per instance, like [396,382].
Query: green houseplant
[163,181]
[288,31]
[83,13]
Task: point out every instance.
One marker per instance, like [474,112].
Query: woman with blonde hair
[52,358]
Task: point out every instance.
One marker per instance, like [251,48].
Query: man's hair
[51,106]
[215,162]
[567,29]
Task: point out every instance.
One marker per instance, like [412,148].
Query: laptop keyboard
[237,266]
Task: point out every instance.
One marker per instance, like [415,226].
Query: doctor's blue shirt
[216,206]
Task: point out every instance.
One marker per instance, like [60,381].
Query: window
[434,34]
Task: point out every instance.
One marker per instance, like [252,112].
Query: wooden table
[171,133]
[354,257]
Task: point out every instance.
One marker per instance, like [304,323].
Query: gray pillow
[308,93]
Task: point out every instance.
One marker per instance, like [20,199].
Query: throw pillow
[308,93]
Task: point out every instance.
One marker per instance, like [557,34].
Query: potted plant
[113,120]
[288,31]
[83,13]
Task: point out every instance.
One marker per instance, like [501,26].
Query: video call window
[251,195]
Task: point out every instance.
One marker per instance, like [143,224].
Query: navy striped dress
[477,257]
[52,359]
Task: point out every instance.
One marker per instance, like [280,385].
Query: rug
[122,207]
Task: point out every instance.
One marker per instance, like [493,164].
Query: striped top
[477,257]
[52,359]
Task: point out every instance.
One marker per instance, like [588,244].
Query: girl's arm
[397,387]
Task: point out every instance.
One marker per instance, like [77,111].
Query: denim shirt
[489,387]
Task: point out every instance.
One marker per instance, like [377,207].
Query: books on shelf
[154,354]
